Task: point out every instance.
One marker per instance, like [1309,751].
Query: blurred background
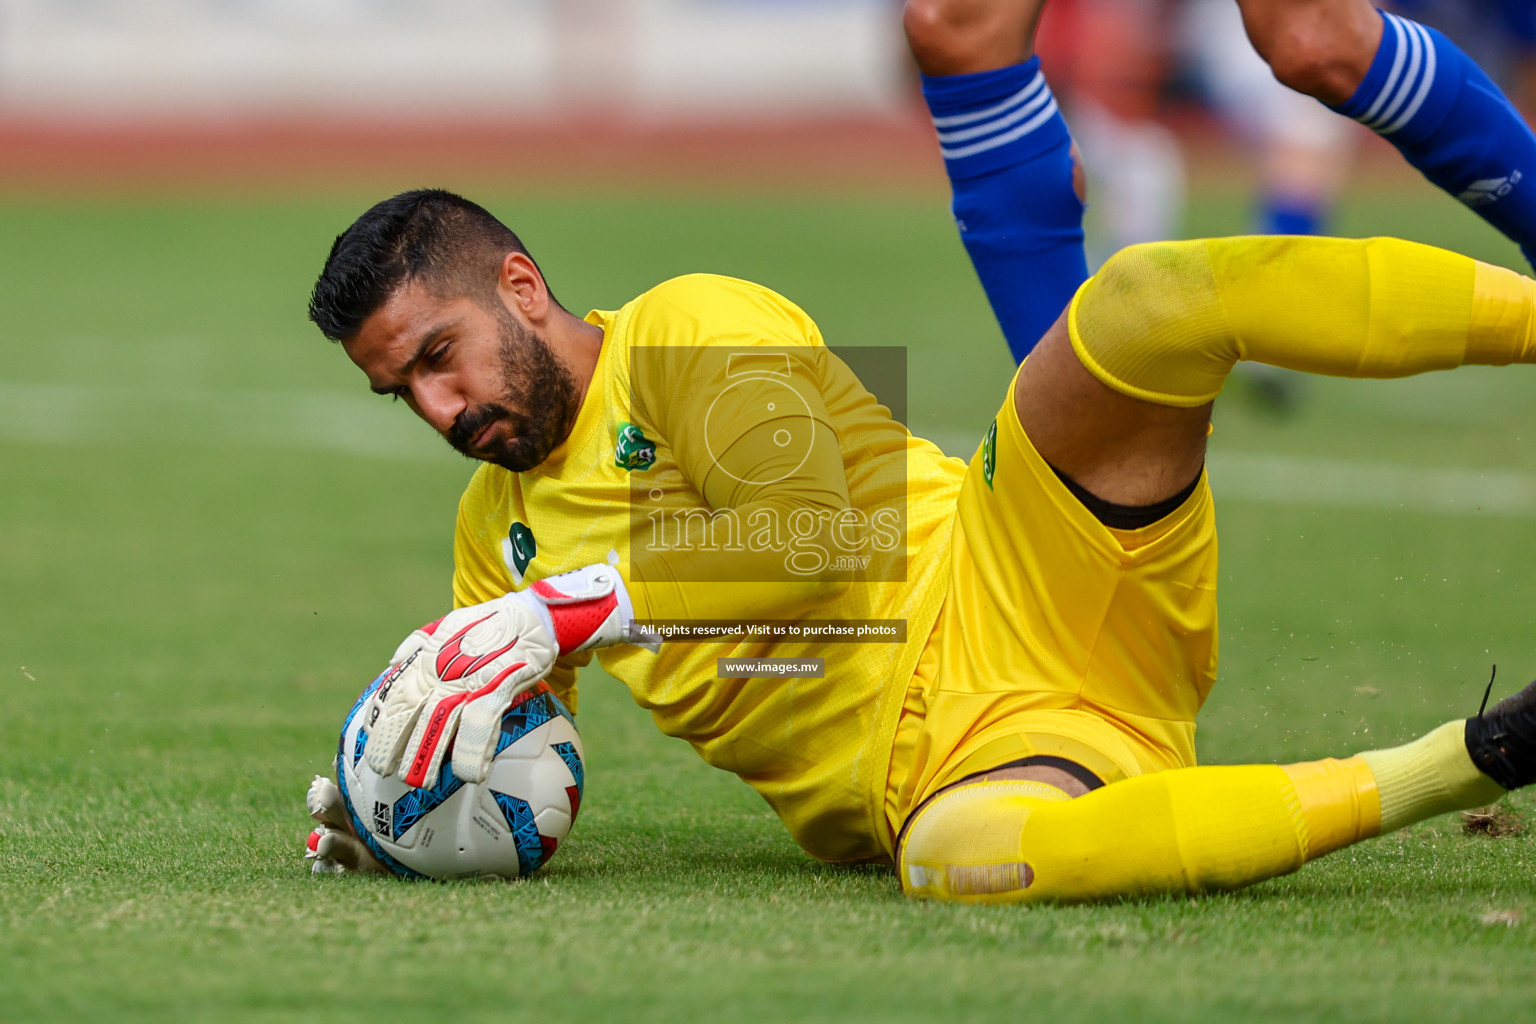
[249,87]
[211,534]
[497,58]
[1165,97]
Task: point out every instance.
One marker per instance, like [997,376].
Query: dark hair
[448,243]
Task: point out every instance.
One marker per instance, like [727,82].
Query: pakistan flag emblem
[632,449]
[989,455]
[518,550]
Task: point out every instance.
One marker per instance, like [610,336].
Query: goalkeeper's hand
[453,679]
[332,848]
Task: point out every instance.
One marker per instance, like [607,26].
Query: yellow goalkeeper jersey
[737,470]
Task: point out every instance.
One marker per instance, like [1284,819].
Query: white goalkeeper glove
[453,679]
[332,848]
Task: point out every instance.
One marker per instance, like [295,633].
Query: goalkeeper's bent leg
[1188,830]
[1165,322]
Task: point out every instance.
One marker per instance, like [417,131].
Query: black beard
[531,379]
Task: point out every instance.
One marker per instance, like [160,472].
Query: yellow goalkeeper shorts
[1059,636]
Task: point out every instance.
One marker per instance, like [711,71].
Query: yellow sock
[1339,802]
[1432,775]
[1190,830]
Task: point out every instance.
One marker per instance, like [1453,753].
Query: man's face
[483,379]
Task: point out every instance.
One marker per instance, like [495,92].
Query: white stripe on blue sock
[1399,50]
[1410,77]
[1404,92]
[979,115]
[1425,82]
[1007,121]
[1034,102]
[1002,140]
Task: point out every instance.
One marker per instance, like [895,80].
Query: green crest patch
[989,454]
[632,449]
[522,546]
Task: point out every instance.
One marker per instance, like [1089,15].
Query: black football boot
[1502,739]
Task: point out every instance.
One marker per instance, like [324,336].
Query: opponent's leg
[1415,88]
[1189,830]
[1017,195]
[962,37]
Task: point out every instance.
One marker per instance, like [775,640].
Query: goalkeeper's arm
[751,432]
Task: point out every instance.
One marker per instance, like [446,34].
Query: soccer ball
[507,826]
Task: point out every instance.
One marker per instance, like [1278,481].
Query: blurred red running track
[897,153]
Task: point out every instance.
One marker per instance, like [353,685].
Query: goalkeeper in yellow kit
[1030,734]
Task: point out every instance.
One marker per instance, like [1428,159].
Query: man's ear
[522,287]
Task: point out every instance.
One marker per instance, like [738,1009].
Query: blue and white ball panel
[507,826]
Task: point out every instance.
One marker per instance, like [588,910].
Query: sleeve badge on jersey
[989,455]
[632,449]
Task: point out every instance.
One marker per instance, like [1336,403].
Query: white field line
[1295,480]
[69,414]
[1351,483]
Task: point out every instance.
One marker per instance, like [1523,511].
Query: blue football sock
[1450,121]
[1007,152]
[1286,215]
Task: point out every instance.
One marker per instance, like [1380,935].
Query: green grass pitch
[211,535]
